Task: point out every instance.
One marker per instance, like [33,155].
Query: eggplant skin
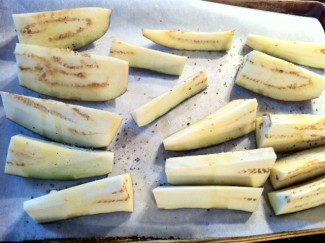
[67,28]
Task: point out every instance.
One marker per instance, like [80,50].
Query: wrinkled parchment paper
[139,150]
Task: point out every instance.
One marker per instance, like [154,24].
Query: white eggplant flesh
[66,28]
[192,41]
[298,167]
[233,120]
[224,197]
[141,57]
[165,102]
[112,194]
[239,168]
[278,79]
[304,53]
[65,123]
[298,198]
[66,74]
[34,158]
[290,132]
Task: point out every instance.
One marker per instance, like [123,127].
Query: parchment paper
[139,150]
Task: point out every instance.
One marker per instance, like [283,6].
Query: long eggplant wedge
[160,105]
[66,123]
[304,53]
[290,132]
[225,197]
[233,120]
[278,79]
[35,158]
[66,28]
[298,167]
[192,41]
[238,168]
[295,199]
[66,74]
[112,194]
[141,57]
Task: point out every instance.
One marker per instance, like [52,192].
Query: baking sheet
[140,150]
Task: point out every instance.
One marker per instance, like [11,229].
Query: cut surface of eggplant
[66,74]
[226,197]
[112,194]
[238,168]
[35,158]
[65,123]
[66,28]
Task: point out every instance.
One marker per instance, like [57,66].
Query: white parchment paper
[140,150]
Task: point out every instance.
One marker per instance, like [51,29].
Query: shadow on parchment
[96,226]
[7,50]
[148,76]
[9,80]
